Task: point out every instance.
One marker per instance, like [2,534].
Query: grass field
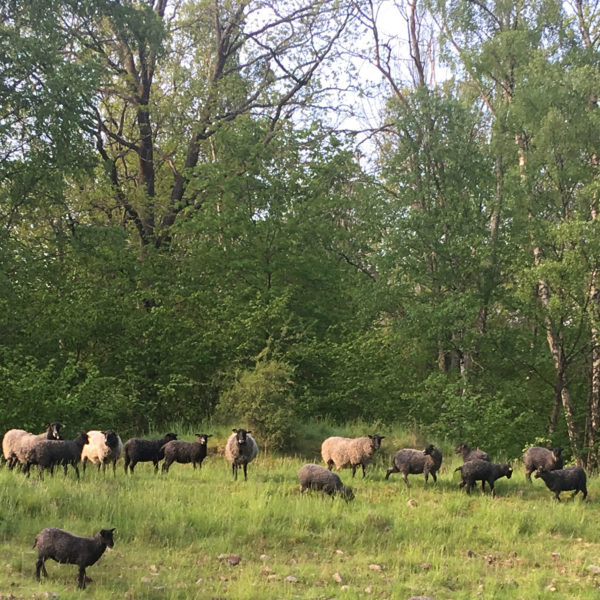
[176,534]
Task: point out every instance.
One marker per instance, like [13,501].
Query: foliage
[262,400]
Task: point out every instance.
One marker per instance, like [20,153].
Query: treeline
[185,235]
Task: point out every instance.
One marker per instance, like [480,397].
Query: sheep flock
[48,450]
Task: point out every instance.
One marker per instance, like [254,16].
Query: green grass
[171,530]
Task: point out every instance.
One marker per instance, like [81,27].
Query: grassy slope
[171,531]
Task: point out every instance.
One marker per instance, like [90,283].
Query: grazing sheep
[482,470]
[240,449]
[469,454]
[103,447]
[138,450]
[17,443]
[411,462]
[541,457]
[315,477]
[66,548]
[49,453]
[564,480]
[350,452]
[185,452]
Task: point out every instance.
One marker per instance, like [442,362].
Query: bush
[262,401]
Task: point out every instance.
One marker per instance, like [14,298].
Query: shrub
[261,400]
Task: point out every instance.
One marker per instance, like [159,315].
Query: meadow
[179,536]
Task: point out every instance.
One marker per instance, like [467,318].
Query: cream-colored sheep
[9,443]
[103,447]
[350,452]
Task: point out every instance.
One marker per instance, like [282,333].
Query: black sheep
[469,454]
[137,450]
[64,547]
[564,480]
[410,462]
[541,457]
[482,470]
[185,452]
[49,453]
[315,477]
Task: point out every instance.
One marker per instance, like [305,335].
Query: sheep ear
[234,430]
[209,435]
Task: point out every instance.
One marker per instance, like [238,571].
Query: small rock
[595,569]
[271,577]
[153,568]
[223,578]
[199,581]
[556,555]
[344,587]
[47,595]
[234,559]
[292,579]
[265,570]
[469,553]
[265,557]
[368,590]
[339,552]
[412,503]
[489,559]
[337,577]
[375,567]
[426,566]
[222,556]
[146,580]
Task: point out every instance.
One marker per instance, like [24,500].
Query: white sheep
[240,449]
[103,447]
[350,452]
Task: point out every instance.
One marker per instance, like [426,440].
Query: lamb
[482,470]
[315,477]
[541,457]
[137,450]
[185,452]
[17,443]
[560,480]
[469,454]
[240,450]
[350,452]
[103,447]
[410,462]
[64,547]
[49,453]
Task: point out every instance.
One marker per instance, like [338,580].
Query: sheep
[138,450]
[240,449]
[561,480]
[185,452]
[103,447]
[469,454]
[350,452]
[482,470]
[16,443]
[315,477]
[410,462]
[49,453]
[541,457]
[66,548]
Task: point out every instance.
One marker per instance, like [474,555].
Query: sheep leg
[405,477]
[556,495]
[528,475]
[76,470]
[354,470]
[234,471]
[363,468]
[165,467]
[81,578]
[245,472]
[390,471]
[39,566]
[114,468]
[330,464]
